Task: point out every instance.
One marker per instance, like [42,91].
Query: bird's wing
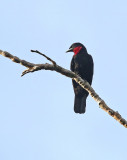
[72,65]
[77,88]
[91,69]
[84,70]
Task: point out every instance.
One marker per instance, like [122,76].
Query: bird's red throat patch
[76,50]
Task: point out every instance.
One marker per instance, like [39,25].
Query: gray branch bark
[31,67]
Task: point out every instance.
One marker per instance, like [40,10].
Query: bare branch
[16,59]
[31,67]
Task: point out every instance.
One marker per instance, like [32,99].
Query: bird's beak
[69,50]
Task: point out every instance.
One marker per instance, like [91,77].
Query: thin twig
[53,62]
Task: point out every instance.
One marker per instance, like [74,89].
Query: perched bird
[82,65]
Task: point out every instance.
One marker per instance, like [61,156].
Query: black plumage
[81,64]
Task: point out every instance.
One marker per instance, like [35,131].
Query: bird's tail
[80,104]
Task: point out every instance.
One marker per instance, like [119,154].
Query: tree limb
[31,67]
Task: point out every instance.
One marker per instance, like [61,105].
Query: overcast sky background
[37,120]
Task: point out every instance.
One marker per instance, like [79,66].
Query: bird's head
[76,48]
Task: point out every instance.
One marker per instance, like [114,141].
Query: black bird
[81,64]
